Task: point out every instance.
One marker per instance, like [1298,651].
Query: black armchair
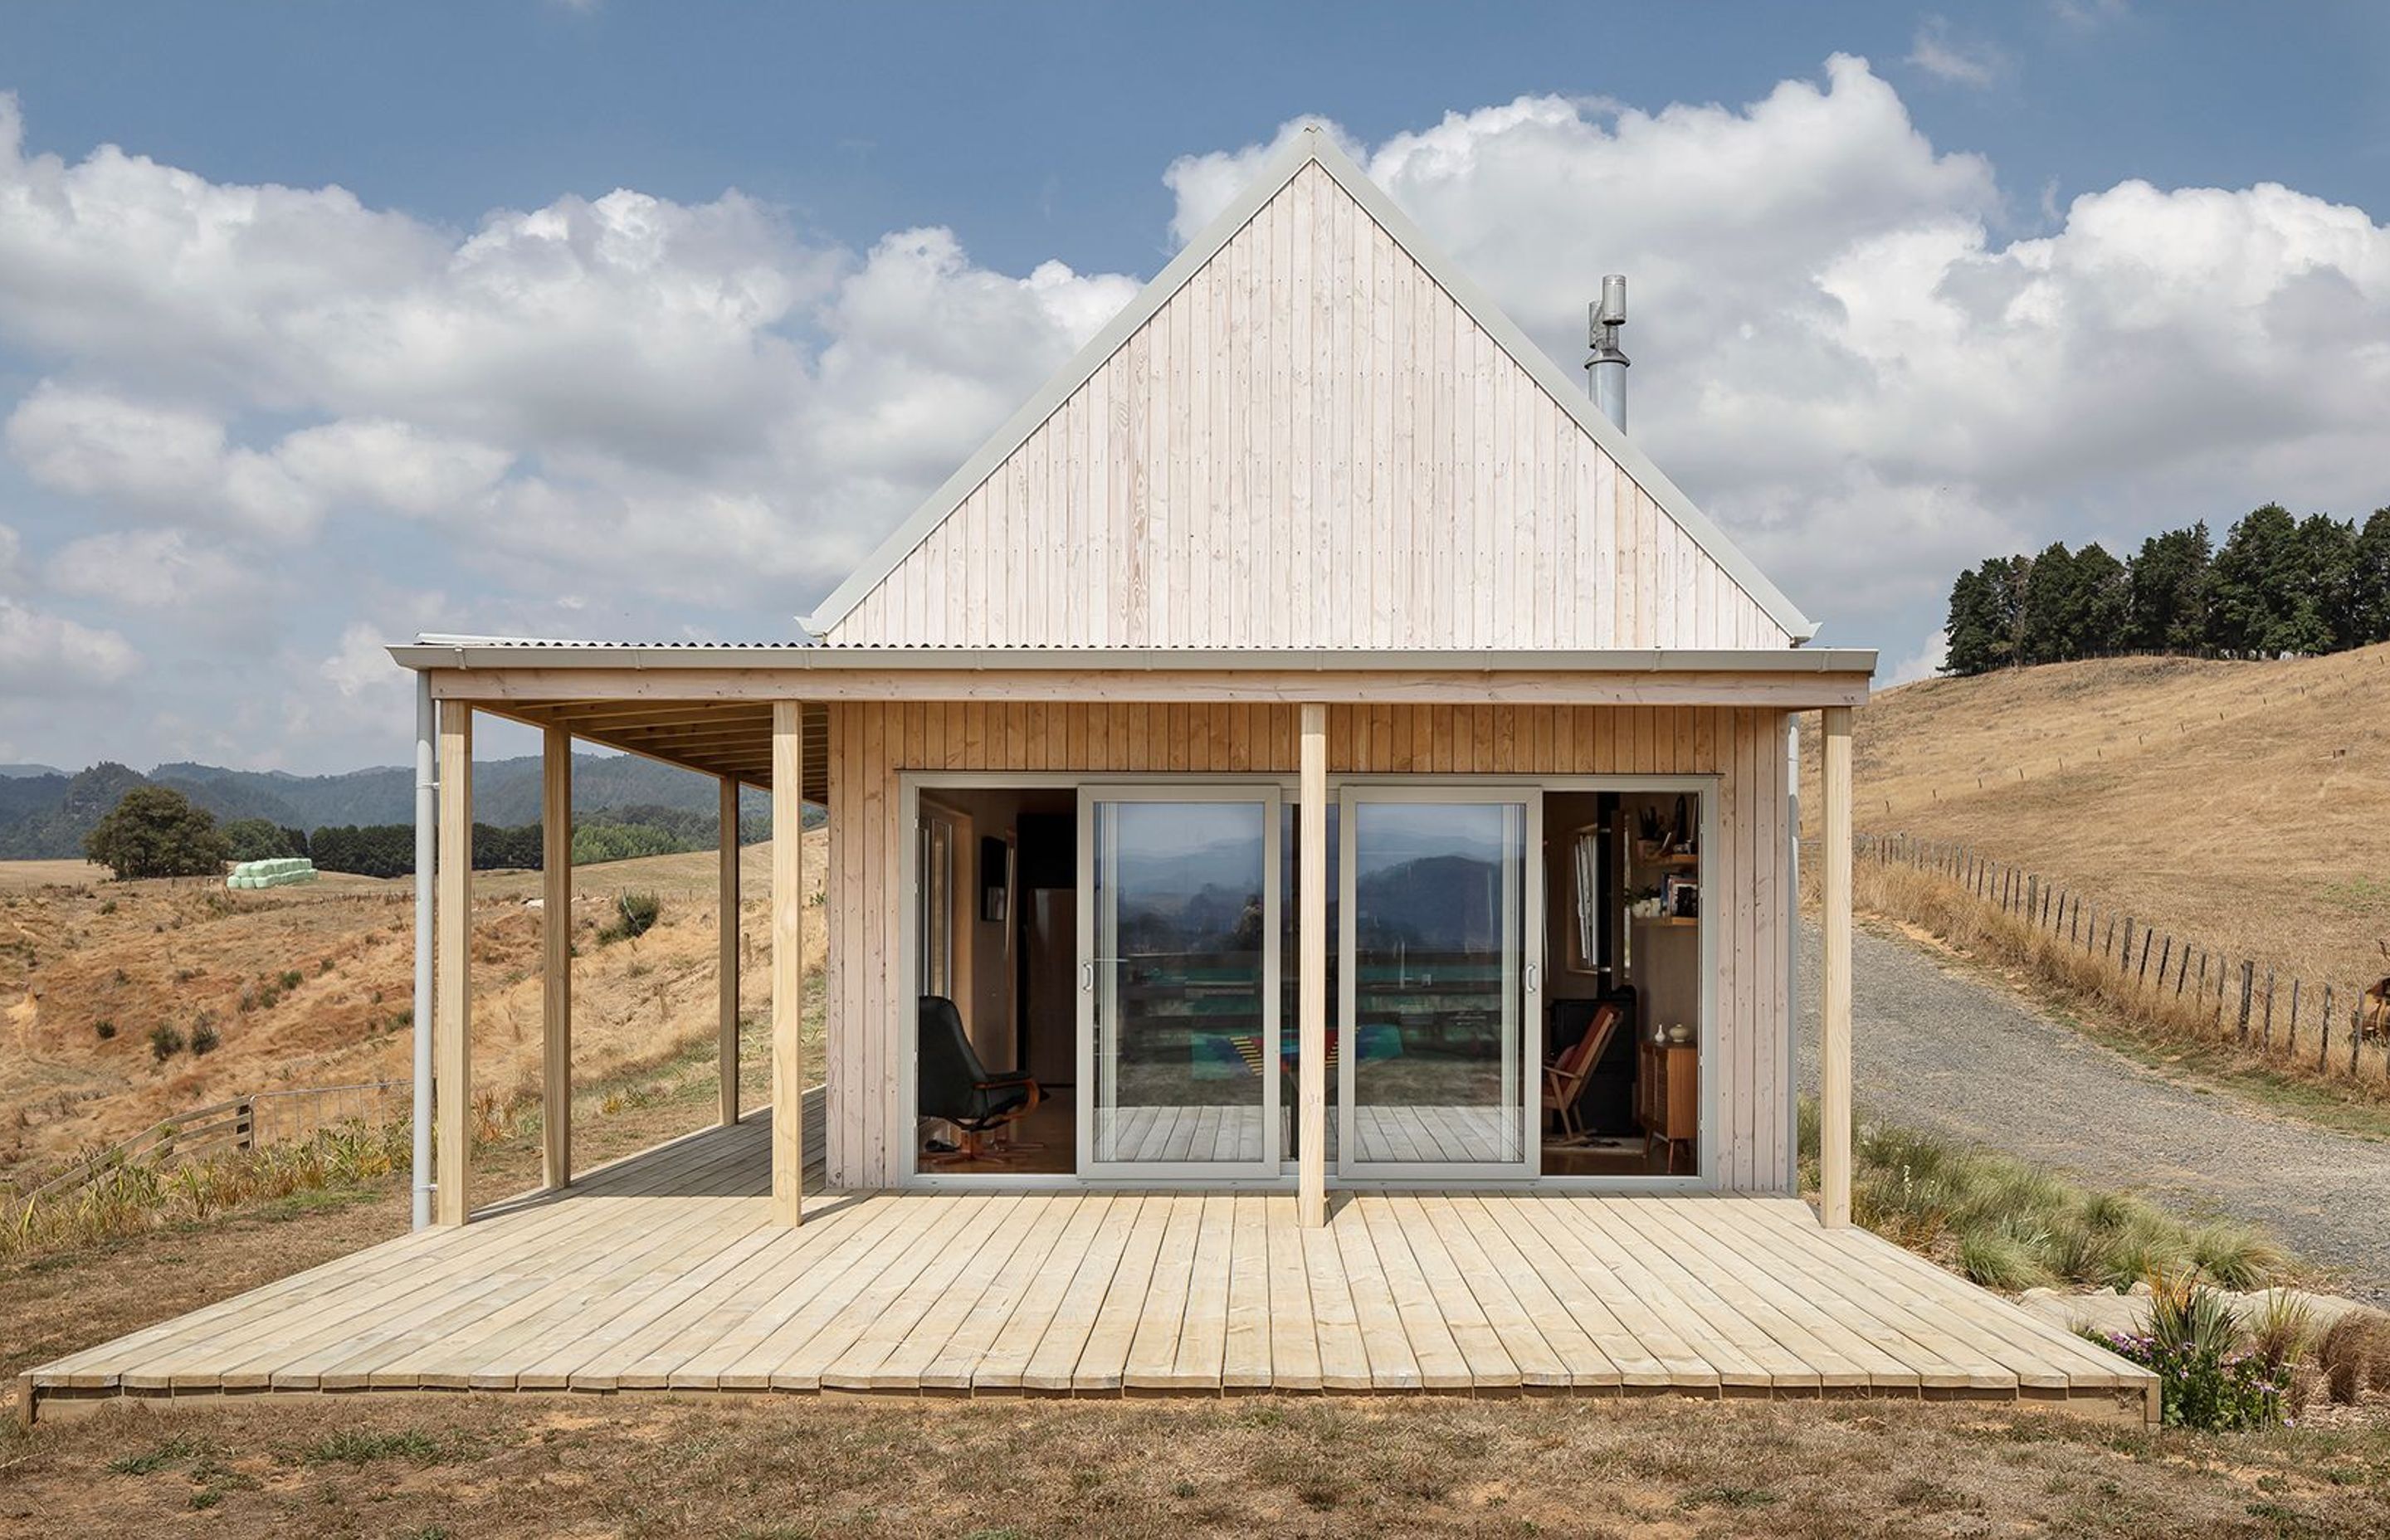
[956,1088]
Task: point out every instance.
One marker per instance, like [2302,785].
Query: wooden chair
[1564,1077]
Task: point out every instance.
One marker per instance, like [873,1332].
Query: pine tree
[2166,592]
[1987,616]
[2369,583]
[2256,585]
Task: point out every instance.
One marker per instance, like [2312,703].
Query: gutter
[475,652]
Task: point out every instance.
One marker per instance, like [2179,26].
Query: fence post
[2327,1026]
[2032,895]
[2291,1039]
[2248,988]
[245,1124]
[2141,975]
[2166,955]
[2182,971]
[2267,1039]
[2355,1042]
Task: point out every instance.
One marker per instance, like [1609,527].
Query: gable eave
[1311,145]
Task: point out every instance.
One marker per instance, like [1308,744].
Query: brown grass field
[2240,806]
[79,951]
[458,1466]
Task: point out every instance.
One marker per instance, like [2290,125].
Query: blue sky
[666,280]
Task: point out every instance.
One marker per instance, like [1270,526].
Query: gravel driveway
[1933,1046]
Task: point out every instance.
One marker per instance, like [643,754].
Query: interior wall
[1745,873]
[1564,814]
[985,984]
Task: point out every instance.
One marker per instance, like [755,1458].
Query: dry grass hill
[310,986]
[2244,806]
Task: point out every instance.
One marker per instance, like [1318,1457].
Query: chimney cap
[1612,310]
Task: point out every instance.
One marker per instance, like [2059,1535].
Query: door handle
[1535,978]
[1086,978]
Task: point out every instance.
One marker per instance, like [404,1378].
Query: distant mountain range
[46,813]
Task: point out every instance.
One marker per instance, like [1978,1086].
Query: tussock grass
[147,1195]
[2011,1226]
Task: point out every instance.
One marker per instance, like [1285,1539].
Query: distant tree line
[616,834]
[157,831]
[2279,585]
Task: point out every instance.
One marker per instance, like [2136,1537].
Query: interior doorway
[996,935]
[1622,1069]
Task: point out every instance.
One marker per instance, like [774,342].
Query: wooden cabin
[1308,739]
[1349,782]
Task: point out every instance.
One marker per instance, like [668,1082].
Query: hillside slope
[2244,806]
[45,813]
[78,951]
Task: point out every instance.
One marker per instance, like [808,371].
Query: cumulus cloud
[44,654]
[629,414]
[153,570]
[569,374]
[1839,354]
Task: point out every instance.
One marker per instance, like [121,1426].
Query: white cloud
[44,654]
[394,465]
[1839,356]
[626,381]
[154,569]
[1944,56]
[163,461]
[627,414]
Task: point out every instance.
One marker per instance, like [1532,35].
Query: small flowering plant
[2208,1377]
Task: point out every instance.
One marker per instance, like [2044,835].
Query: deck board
[663,1272]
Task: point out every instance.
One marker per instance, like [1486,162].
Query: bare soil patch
[505,1466]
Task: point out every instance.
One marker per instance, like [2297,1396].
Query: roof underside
[730,738]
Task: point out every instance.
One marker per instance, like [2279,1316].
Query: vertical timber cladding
[1744,881]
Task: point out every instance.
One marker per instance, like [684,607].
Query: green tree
[2074,604]
[2257,579]
[257,839]
[2369,583]
[1987,616]
[2166,592]
[2325,616]
[154,831]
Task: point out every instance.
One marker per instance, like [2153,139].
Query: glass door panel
[1179,1010]
[1440,979]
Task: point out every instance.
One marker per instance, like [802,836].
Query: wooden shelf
[1665,919]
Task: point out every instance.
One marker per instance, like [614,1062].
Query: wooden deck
[662,1272]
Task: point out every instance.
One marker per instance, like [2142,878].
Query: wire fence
[2334,1028]
[242,1123]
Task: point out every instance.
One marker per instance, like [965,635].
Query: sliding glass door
[1439,982]
[1181,1056]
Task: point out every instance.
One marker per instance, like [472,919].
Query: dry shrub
[2354,1354]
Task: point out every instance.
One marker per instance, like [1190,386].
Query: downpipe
[427,815]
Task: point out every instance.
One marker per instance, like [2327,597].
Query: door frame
[1527,795]
[1265,794]
[904,1052]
